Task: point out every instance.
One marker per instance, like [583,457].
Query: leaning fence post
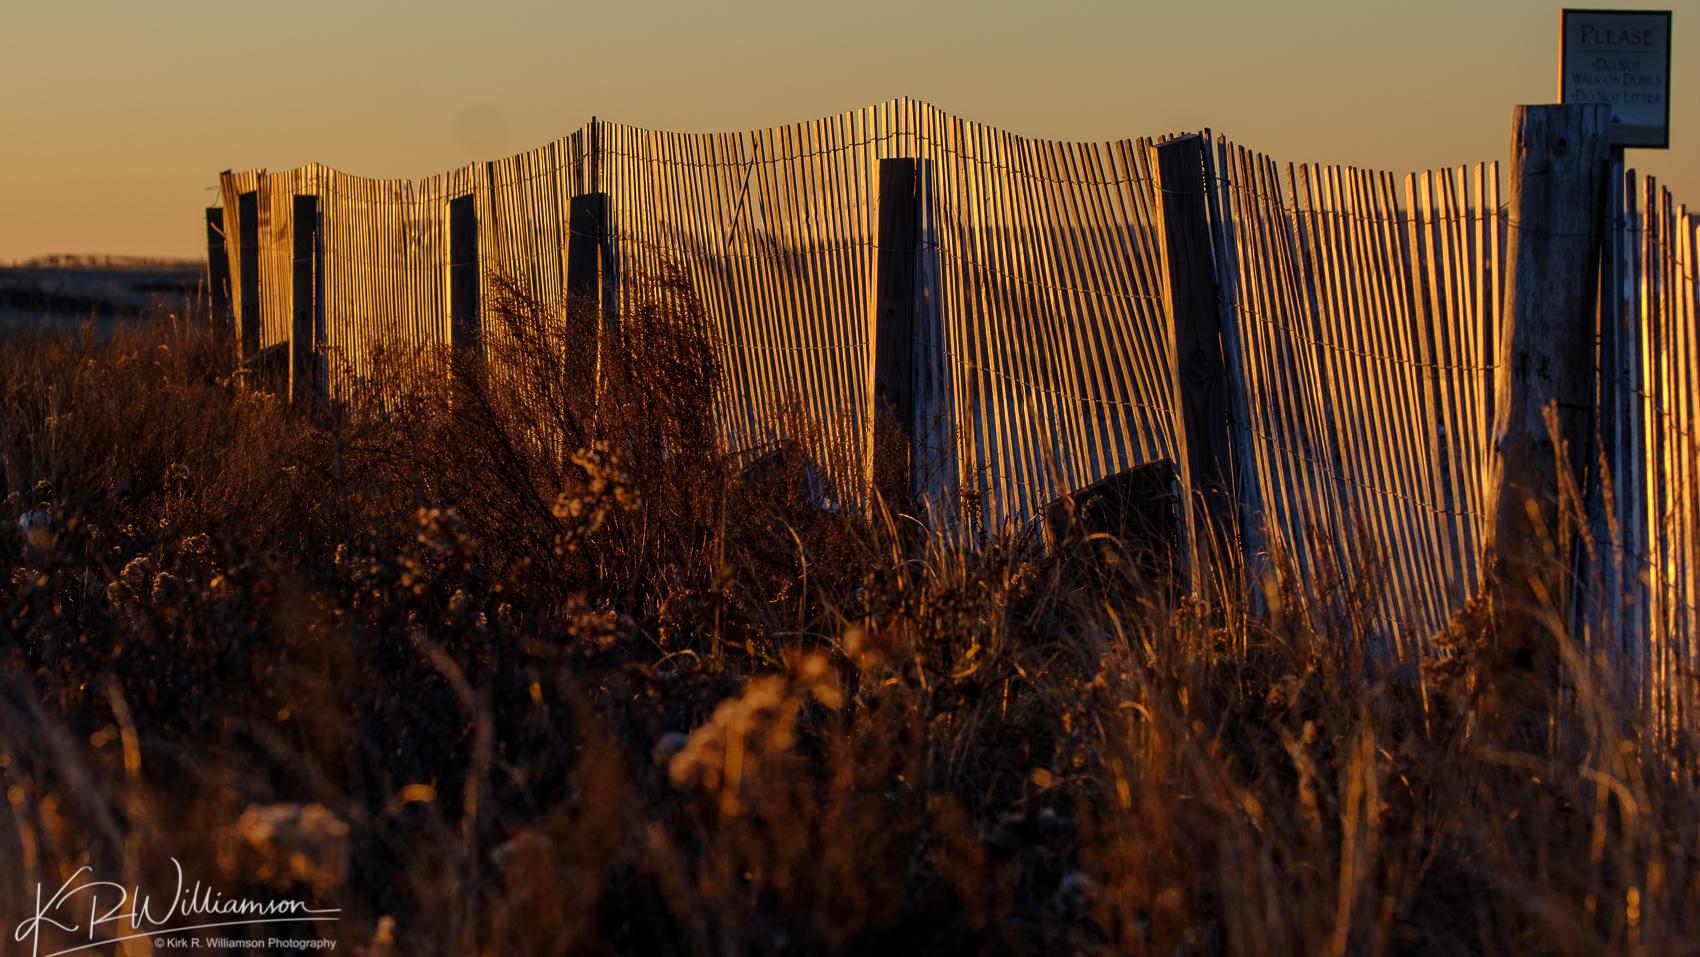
[465,326]
[1248,502]
[590,249]
[1198,366]
[304,334]
[1559,162]
[893,389]
[591,274]
[218,266]
[248,264]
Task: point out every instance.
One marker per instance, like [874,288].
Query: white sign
[1620,58]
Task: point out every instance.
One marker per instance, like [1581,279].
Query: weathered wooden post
[1559,161]
[1198,365]
[894,335]
[308,297]
[466,329]
[591,276]
[248,264]
[218,266]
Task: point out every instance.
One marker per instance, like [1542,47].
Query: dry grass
[530,666]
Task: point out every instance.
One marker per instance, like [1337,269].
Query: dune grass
[526,664]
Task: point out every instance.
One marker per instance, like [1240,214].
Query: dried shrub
[514,656]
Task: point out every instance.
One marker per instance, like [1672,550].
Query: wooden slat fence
[775,230]
[1366,314]
[1051,342]
[1643,585]
[1368,330]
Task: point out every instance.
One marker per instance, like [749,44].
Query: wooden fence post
[466,330]
[591,273]
[218,266]
[1559,163]
[590,251]
[248,262]
[305,272]
[894,335]
[1204,432]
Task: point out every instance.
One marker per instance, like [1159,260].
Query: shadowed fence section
[1051,339]
[383,272]
[776,231]
[1368,328]
[1360,320]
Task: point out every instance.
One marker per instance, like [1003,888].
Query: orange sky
[117,116]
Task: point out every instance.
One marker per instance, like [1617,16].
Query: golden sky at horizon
[118,116]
